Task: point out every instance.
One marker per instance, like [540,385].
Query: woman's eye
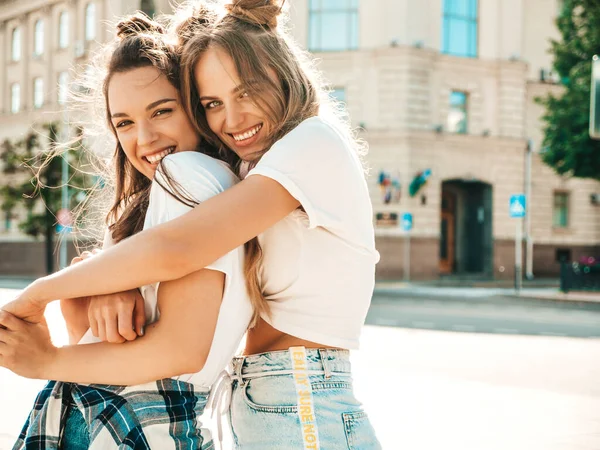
[244,94]
[161,112]
[123,123]
[211,105]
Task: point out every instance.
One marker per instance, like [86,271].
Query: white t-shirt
[200,178]
[319,264]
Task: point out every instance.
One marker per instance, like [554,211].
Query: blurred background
[485,183]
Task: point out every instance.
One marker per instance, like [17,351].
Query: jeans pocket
[360,434]
[276,395]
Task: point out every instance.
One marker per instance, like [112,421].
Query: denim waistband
[318,360]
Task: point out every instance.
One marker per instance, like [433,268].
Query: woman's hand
[75,310]
[27,305]
[25,347]
[117,317]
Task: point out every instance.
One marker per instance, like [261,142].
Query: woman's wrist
[37,292]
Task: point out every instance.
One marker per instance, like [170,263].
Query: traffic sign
[517,206]
[407,221]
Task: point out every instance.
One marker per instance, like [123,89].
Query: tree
[568,147]
[40,196]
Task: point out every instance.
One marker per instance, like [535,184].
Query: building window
[15,53]
[38,92]
[148,7]
[333,25]
[457,115]
[561,210]
[90,22]
[459,33]
[15,98]
[63,87]
[63,30]
[38,38]
[7,220]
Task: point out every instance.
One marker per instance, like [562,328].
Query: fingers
[76,260]
[139,314]
[85,255]
[125,322]
[10,322]
[111,326]
[93,322]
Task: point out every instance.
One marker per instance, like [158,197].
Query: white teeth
[247,134]
[153,159]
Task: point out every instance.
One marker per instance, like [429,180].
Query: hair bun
[136,24]
[193,20]
[256,12]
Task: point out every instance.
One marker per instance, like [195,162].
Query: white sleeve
[199,177]
[321,170]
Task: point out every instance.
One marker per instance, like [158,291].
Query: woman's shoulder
[314,128]
[196,166]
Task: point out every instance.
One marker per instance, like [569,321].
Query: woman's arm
[176,344]
[168,251]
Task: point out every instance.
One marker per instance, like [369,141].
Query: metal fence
[579,277]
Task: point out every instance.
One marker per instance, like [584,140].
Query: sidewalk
[7,282]
[480,290]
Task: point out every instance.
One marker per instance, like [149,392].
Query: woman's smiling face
[230,113]
[148,117]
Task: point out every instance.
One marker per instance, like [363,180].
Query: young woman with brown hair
[150,392]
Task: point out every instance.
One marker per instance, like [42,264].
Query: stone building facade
[449,86]
[445,87]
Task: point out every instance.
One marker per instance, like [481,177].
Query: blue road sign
[516,206]
[407,221]
[64,229]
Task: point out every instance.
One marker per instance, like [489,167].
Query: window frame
[38,101]
[38,37]
[15,100]
[559,207]
[63,29]
[449,17]
[90,21]
[316,12]
[466,111]
[62,92]
[16,44]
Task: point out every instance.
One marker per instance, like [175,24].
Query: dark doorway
[466,239]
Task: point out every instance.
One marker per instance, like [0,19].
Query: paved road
[428,390]
[485,311]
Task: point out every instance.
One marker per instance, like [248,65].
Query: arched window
[63,87]
[90,21]
[148,7]
[38,92]
[15,98]
[63,30]
[16,44]
[38,37]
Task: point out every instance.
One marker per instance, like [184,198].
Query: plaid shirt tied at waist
[161,415]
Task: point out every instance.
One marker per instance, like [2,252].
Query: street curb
[560,298]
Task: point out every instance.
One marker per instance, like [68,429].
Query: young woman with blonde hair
[304,195]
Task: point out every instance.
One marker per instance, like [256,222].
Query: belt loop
[323,353]
[238,363]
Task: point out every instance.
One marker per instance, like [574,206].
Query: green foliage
[567,145]
[33,173]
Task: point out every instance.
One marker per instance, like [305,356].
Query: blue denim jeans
[76,435]
[272,409]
